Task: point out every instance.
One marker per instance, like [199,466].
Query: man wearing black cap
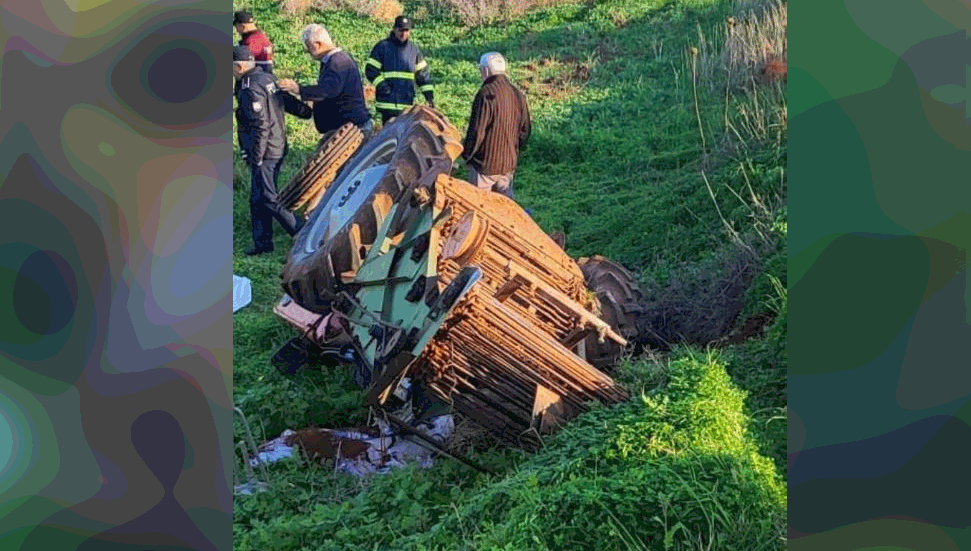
[254,39]
[396,66]
[261,132]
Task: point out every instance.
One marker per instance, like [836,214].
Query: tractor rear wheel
[413,149]
[620,299]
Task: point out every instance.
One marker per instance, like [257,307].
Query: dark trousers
[386,115]
[264,206]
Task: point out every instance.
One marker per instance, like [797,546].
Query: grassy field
[642,151]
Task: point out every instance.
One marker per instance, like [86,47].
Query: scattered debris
[242,292]
[360,452]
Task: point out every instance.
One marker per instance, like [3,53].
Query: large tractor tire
[411,150]
[620,299]
[307,188]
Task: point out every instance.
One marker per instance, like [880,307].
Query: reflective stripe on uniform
[374,63]
[421,65]
[398,74]
[392,74]
[392,106]
[427,88]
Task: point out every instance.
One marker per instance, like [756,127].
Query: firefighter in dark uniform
[261,132]
[254,39]
[395,67]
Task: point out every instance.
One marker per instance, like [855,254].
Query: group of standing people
[498,129]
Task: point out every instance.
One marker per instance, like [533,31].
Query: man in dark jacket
[338,95]
[261,132]
[254,39]
[396,66]
[498,128]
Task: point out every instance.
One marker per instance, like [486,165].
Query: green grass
[616,161]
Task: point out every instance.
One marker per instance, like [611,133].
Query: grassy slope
[614,162]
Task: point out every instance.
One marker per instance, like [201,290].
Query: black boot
[254,251]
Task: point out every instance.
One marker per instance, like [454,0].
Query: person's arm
[329,84]
[254,109]
[478,121]
[294,106]
[525,125]
[423,79]
[374,66]
[267,48]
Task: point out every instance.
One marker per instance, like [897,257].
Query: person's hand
[289,85]
[249,161]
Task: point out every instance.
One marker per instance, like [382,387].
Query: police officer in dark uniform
[395,67]
[261,132]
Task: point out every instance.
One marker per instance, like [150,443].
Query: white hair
[316,33]
[493,63]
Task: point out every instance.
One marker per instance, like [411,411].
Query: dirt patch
[387,10]
[555,78]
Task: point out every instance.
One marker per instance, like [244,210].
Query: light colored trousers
[500,183]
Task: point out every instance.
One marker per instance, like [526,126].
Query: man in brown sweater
[498,128]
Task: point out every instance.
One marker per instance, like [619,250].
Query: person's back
[499,127]
[502,139]
[262,48]
[339,73]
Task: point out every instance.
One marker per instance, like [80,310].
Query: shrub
[380,10]
[474,13]
[701,301]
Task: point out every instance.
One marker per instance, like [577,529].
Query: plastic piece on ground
[242,292]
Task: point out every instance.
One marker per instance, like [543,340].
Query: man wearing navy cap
[254,39]
[396,66]
[262,136]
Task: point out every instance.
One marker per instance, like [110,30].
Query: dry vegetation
[748,70]
[754,48]
[483,12]
[379,10]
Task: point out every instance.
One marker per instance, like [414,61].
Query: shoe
[254,252]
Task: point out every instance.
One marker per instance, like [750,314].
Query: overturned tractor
[423,281]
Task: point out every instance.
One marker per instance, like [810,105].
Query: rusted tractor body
[457,289]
